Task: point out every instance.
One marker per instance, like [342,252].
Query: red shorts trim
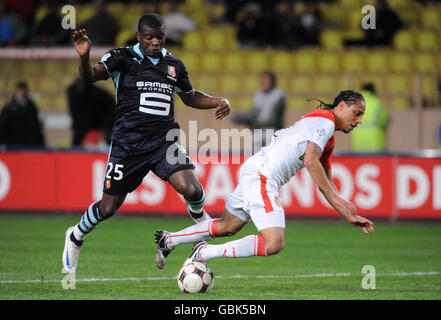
[263,192]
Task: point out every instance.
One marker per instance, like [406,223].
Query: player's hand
[81,42]
[223,109]
[345,207]
[364,224]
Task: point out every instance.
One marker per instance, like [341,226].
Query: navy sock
[88,222]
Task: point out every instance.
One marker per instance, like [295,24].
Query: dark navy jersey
[144,89]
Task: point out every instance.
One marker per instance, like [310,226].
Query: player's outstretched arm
[88,72]
[200,100]
[323,179]
[328,172]
[319,175]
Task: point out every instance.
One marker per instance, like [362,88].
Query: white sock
[200,231]
[248,246]
[78,234]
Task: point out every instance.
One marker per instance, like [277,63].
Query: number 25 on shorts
[117,173]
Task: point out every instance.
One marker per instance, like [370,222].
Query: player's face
[348,117]
[151,41]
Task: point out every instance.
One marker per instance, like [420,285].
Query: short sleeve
[183,84]
[112,61]
[321,130]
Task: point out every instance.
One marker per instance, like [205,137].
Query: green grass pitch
[321,260]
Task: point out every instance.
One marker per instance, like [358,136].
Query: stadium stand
[353,62]
[234,61]
[281,62]
[329,62]
[216,64]
[376,61]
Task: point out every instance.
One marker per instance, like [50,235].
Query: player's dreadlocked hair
[348,96]
[150,20]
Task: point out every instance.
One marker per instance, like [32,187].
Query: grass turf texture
[123,247]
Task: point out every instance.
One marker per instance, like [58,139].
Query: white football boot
[198,217]
[71,253]
[195,256]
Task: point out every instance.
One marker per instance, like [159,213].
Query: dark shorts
[125,172]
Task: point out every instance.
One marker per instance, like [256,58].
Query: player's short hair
[349,96]
[150,20]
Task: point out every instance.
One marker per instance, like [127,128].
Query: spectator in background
[93,111]
[232,9]
[289,28]
[249,30]
[268,108]
[19,122]
[48,31]
[311,23]
[370,136]
[176,23]
[25,9]
[102,28]
[13,30]
[387,23]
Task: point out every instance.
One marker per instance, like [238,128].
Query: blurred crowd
[258,23]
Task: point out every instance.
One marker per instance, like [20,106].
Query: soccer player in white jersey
[307,143]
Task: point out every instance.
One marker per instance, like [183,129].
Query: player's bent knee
[274,248]
[191,191]
[274,239]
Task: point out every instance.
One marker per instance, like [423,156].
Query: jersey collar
[139,53]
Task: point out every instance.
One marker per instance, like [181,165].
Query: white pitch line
[237,276]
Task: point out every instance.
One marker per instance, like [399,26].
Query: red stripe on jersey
[321,113]
[263,192]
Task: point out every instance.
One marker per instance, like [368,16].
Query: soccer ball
[195,277]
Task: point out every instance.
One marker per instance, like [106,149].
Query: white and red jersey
[283,158]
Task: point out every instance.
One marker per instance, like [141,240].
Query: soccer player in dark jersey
[146,76]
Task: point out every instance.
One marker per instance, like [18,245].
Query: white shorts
[257,199]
